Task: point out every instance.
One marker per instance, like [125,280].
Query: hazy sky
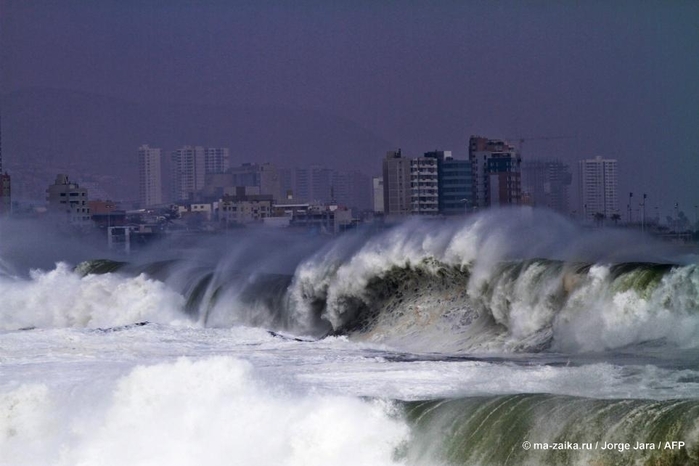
[620,78]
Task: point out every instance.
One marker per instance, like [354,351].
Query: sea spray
[62,298]
[516,280]
[29,428]
[212,411]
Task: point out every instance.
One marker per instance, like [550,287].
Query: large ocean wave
[62,298]
[220,410]
[511,280]
[214,411]
[553,430]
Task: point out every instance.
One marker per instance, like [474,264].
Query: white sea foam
[28,426]
[62,298]
[598,316]
[70,395]
[576,311]
[211,411]
[524,310]
[263,400]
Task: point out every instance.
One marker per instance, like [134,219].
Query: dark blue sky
[621,78]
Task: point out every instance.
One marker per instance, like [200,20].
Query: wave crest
[62,298]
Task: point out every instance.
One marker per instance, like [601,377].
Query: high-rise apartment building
[216,159]
[190,165]
[455,184]
[314,184]
[396,184]
[150,186]
[1,172]
[247,174]
[270,181]
[302,181]
[597,187]
[377,186]
[264,176]
[5,194]
[5,185]
[351,189]
[188,172]
[496,172]
[424,186]
[286,184]
[437,184]
[546,181]
[322,185]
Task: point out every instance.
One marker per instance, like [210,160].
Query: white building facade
[68,201]
[377,186]
[150,186]
[216,159]
[190,165]
[424,186]
[597,187]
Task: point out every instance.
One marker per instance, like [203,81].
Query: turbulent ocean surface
[508,338]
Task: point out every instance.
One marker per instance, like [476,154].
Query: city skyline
[349,232]
[339,84]
[545,184]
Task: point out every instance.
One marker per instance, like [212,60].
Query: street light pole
[630,209]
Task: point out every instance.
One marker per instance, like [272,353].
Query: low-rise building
[106,214]
[203,210]
[67,200]
[244,208]
[329,219]
[546,183]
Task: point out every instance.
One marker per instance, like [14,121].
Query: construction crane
[522,139]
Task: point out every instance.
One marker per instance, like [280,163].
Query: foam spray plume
[514,280]
[521,296]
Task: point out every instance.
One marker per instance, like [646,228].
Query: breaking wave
[492,430]
[219,410]
[214,411]
[512,280]
[530,306]
[62,298]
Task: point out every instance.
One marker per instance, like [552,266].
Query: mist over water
[507,280]
[417,344]
[33,244]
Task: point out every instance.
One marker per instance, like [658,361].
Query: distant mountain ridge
[101,134]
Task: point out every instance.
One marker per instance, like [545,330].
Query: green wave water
[485,431]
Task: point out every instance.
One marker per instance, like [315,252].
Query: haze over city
[342,233]
[84,84]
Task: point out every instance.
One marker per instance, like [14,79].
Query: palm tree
[599,218]
[615,218]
